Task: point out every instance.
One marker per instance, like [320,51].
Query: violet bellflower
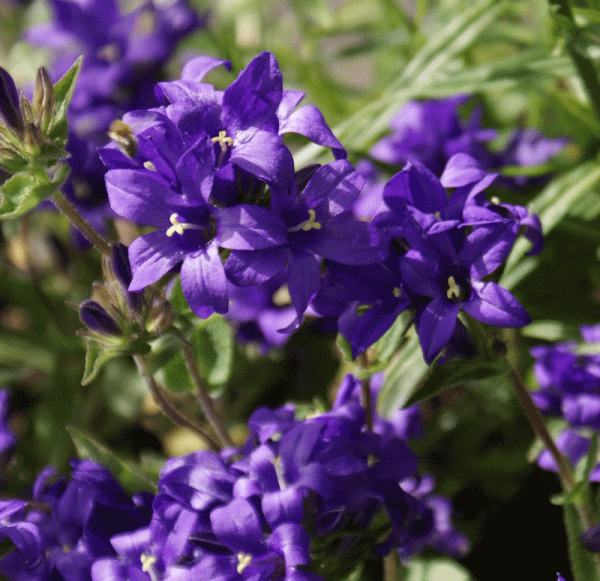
[443,249]
[570,388]
[124,55]
[297,493]
[431,132]
[63,541]
[188,159]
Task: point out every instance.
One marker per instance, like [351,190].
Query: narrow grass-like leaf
[131,479]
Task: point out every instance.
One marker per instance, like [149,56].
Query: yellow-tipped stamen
[397,292]
[244,560]
[454,291]
[495,200]
[307,224]
[223,140]
[179,227]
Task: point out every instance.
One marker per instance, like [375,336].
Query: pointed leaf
[131,479]
[63,91]
[95,358]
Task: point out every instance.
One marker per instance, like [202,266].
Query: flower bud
[9,102]
[94,316]
[43,100]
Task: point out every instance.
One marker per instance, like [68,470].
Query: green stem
[538,425]
[203,397]
[584,66]
[158,394]
[80,223]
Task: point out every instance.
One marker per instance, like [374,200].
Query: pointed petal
[151,256]
[461,170]
[350,242]
[492,304]
[195,170]
[417,186]
[332,188]
[254,96]
[136,195]
[249,227]
[486,248]
[203,282]
[304,279]
[309,121]
[196,68]
[252,267]
[266,157]
[435,326]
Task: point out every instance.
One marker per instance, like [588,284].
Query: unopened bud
[94,316]
[43,100]
[121,133]
[9,102]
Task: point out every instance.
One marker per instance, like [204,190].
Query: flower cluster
[301,498]
[124,55]
[569,380]
[210,171]
[443,249]
[431,132]
[197,169]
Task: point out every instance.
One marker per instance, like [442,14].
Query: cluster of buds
[27,127]
[119,320]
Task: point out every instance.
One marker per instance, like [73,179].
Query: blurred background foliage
[359,61]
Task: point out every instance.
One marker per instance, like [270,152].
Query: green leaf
[23,191]
[552,205]
[95,358]
[582,561]
[131,479]
[213,347]
[405,372]
[19,350]
[63,91]
[454,372]
[436,569]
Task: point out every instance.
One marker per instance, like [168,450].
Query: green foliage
[583,565]
[130,478]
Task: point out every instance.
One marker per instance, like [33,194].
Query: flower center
[397,292]
[223,140]
[148,565]
[179,227]
[454,292]
[243,561]
[122,133]
[307,224]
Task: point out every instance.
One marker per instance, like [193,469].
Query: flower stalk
[81,223]
[538,425]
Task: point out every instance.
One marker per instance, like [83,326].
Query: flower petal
[203,282]
[249,227]
[151,256]
[254,96]
[492,304]
[435,326]
[252,267]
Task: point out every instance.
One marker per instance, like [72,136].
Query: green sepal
[457,371]
[22,192]
[582,561]
[130,478]
[63,91]
[95,358]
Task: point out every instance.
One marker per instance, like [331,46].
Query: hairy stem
[168,409]
[80,223]
[203,397]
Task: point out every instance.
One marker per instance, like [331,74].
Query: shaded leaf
[131,479]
